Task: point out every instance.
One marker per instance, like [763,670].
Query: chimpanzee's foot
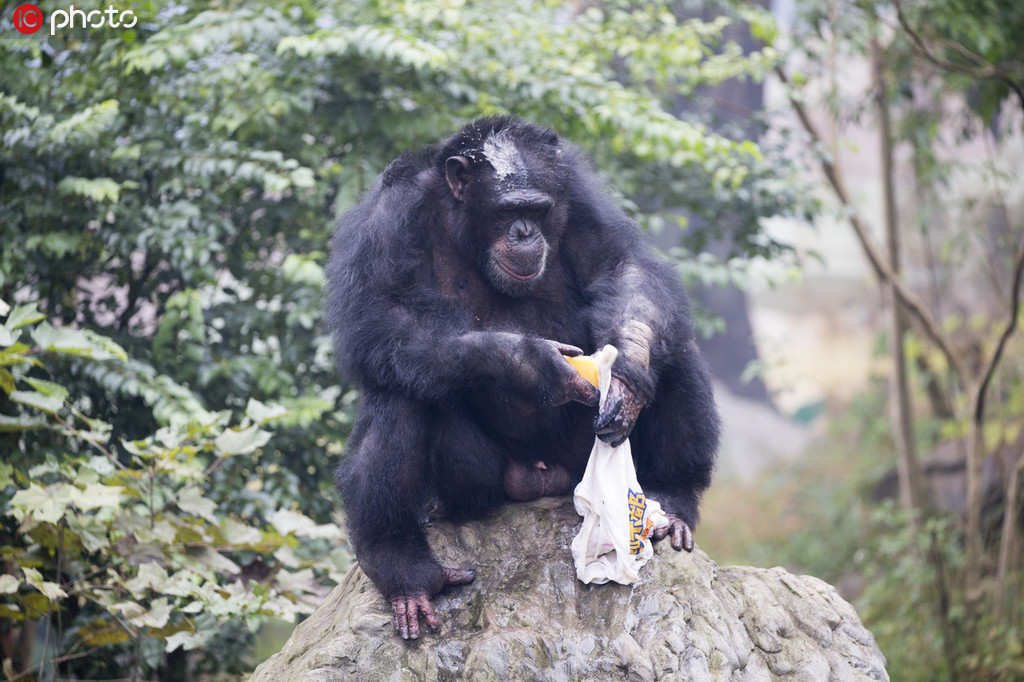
[407,609]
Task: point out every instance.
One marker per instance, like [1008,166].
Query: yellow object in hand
[585,365]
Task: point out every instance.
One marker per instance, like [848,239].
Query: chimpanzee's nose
[523,230]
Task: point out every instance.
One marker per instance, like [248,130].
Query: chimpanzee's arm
[635,299]
[635,302]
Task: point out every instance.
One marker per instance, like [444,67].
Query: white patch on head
[503,155]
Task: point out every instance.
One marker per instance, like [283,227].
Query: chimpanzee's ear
[456,171]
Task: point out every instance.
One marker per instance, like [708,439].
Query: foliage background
[912,115]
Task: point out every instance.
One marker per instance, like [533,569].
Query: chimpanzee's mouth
[519,276]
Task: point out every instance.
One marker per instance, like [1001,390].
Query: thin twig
[62,659]
[46,642]
[60,620]
[109,455]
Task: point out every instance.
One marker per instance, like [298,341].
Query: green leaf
[261,414]
[298,581]
[237,533]
[90,531]
[47,388]
[97,495]
[50,404]
[51,591]
[103,633]
[101,464]
[7,381]
[191,500]
[22,423]
[84,343]
[22,315]
[241,441]
[286,522]
[97,189]
[302,269]
[54,244]
[16,354]
[128,609]
[8,338]
[47,505]
[151,576]
[188,640]
[207,557]
[157,616]
[8,584]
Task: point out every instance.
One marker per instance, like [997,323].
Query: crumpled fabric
[618,520]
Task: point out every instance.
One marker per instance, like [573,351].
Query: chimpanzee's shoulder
[405,169]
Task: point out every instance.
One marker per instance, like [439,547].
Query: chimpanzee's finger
[585,392]
[427,609]
[458,576]
[677,536]
[607,416]
[687,543]
[400,610]
[414,617]
[565,348]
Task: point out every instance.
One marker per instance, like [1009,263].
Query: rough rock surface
[526,617]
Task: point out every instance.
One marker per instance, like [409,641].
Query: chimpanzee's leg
[467,465]
[475,472]
[384,482]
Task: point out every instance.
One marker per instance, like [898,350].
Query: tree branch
[880,264]
[985,68]
[1011,327]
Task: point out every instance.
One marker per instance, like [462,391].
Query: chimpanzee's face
[507,221]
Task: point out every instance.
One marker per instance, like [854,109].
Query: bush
[123,549]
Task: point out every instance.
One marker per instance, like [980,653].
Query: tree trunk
[910,477]
[1005,578]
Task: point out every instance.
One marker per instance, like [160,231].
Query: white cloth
[617,519]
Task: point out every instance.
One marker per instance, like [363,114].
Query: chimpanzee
[454,289]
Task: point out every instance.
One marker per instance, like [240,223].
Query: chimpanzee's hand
[573,387]
[407,609]
[537,371]
[621,409]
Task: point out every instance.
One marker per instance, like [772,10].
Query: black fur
[457,380]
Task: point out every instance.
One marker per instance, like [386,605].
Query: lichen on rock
[526,617]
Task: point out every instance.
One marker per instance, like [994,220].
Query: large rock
[527,618]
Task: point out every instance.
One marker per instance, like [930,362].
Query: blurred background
[839,183]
